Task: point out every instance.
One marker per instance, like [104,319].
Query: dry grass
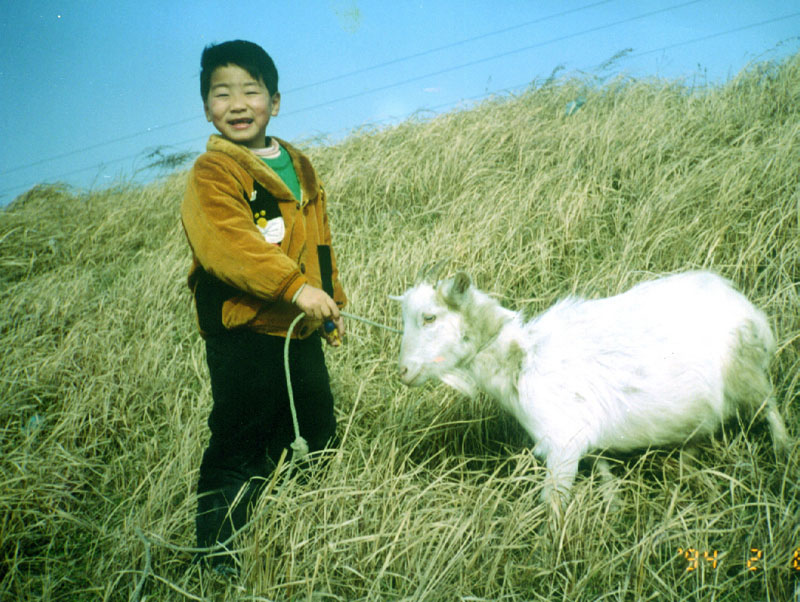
[430,497]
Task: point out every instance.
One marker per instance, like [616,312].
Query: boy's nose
[237,101]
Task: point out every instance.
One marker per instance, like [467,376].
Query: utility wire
[396,84]
[99,144]
[314,84]
[523,85]
[448,46]
[489,58]
[475,98]
[716,35]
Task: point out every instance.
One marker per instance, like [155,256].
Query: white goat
[663,363]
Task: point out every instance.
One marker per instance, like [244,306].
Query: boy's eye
[428,318]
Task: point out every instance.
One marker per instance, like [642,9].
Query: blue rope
[371,323]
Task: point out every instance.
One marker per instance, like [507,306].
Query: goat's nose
[403,370]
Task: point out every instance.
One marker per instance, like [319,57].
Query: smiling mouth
[240,123]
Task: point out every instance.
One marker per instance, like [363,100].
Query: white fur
[665,362]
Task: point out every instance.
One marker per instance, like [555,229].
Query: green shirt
[282,165]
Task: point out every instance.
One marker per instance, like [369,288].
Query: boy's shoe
[225,571]
[221,566]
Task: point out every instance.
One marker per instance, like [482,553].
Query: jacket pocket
[210,294]
[239,311]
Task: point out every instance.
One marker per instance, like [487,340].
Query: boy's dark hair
[247,55]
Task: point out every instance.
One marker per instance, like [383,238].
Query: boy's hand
[333,337]
[318,305]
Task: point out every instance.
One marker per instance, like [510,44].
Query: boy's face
[239,106]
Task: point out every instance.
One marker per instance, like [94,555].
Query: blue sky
[88,88]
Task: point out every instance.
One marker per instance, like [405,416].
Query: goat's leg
[604,469]
[777,428]
[608,484]
[562,467]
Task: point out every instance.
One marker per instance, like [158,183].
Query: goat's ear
[396,297]
[455,290]
[461,282]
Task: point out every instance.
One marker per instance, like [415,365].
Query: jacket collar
[264,174]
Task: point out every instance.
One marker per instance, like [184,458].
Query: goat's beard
[461,381]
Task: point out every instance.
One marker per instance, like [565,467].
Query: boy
[255,217]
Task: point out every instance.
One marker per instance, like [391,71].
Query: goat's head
[433,329]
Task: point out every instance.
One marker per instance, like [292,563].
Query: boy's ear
[276,103]
[207,111]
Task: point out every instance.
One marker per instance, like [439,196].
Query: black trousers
[251,421]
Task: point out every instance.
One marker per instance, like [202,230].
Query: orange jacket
[238,279]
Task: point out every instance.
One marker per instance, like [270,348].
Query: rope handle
[300,445]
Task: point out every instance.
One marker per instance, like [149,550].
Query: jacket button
[302,268]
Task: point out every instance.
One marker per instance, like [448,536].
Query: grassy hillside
[431,497]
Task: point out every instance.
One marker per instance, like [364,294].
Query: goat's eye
[428,318]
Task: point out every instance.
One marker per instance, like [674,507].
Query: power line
[76,171]
[448,46]
[490,58]
[716,35]
[523,85]
[98,145]
[660,49]
[318,83]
